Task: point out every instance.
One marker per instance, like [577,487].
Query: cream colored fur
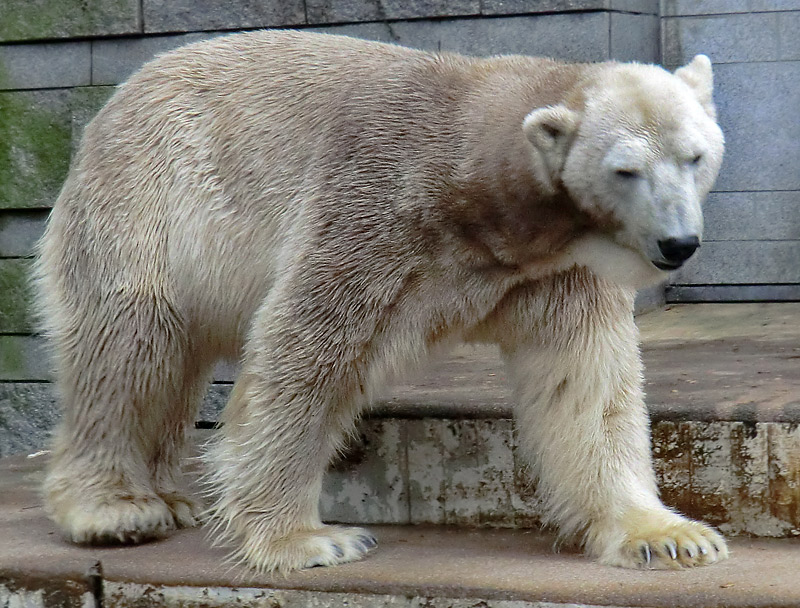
[331,211]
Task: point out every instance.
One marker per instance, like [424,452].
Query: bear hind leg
[166,462]
[113,449]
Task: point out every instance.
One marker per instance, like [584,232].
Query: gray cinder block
[732,38]
[758,112]
[15,296]
[748,262]
[204,15]
[19,230]
[24,358]
[677,8]
[50,65]
[500,7]
[114,60]
[633,37]
[348,11]
[734,216]
[28,411]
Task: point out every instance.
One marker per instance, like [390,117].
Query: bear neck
[499,205]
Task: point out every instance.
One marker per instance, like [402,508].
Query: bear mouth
[667,265]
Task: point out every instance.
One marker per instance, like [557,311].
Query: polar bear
[331,211]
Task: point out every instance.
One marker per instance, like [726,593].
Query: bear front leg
[291,408]
[583,423]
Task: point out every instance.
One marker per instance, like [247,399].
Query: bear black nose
[677,251]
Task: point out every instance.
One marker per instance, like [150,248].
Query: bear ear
[700,78]
[550,131]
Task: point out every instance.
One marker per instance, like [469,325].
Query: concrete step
[413,567]
[723,388]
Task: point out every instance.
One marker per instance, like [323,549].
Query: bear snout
[676,251]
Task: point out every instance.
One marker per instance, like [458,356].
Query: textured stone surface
[38,132]
[461,472]
[749,262]
[732,293]
[38,19]
[757,105]
[349,11]
[114,60]
[632,38]
[28,412]
[199,15]
[712,7]
[576,37]
[19,231]
[23,358]
[490,7]
[85,103]
[34,146]
[369,484]
[733,38]
[15,296]
[434,567]
[734,216]
[49,65]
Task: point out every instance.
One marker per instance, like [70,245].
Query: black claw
[646,554]
[368,541]
[689,553]
[337,551]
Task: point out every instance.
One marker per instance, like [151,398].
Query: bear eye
[627,173]
[696,160]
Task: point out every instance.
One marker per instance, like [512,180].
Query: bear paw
[187,512]
[665,540]
[326,546]
[119,520]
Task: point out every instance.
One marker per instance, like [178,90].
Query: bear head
[637,149]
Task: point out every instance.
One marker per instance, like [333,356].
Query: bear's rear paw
[326,546]
[118,520]
[665,540]
[187,511]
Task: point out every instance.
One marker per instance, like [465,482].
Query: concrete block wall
[752,241]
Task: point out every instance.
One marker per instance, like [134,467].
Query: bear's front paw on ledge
[664,540]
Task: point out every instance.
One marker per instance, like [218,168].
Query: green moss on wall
[12,358]
[15,296]
[35,135]
[24,358]
[38,132]
[37,19]
[85,103]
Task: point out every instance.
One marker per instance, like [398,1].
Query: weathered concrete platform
[724,392]
[723,388]
[420,566]
[709,362]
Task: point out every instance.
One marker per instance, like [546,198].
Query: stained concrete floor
[426,562]
[702,362]
[736,360]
